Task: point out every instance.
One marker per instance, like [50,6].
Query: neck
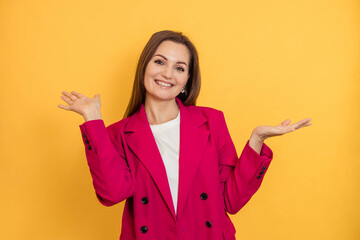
[159,111]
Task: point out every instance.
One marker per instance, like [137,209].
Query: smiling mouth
[164,84]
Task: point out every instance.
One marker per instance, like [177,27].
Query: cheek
[183,79]
[147,71]
[151,70]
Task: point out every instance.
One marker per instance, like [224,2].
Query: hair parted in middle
[192,87]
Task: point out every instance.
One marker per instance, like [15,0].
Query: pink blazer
[125,163]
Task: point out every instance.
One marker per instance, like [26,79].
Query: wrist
[256,137]
[91,116]
[256,142]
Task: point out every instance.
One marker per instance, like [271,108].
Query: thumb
[97,96]
[285,123]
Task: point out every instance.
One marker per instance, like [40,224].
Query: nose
[167,72]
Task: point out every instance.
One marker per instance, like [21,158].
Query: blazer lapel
[193,138]
[142,142]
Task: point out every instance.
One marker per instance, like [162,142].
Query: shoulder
[118,126]
[211,114]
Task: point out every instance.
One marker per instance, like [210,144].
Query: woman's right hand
[89,108]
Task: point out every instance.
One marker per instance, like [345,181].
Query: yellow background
[262,62]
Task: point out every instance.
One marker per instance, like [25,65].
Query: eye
[159,62]
[180,69]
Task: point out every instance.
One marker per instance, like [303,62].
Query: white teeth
[163,84]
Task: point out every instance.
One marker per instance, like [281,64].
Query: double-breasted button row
[87,141]
[261,172]
[144,201]
[204,196]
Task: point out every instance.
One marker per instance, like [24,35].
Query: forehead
[174,51]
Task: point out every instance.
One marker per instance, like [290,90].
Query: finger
[286,122]
[64,107]
[79,95]
[303,123]
[72,97]
[67,100]
[97,96]
[305,120]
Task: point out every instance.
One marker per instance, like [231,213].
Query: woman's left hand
[264,132]
[261,133]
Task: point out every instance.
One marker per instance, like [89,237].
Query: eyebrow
[167,59]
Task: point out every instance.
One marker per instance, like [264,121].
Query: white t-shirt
[167,137]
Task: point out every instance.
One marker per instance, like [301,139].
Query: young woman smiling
[173,162]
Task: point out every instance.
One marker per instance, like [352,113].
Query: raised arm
[112,178]
[243,176]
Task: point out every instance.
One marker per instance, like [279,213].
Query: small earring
[183,90]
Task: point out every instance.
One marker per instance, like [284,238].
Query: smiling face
[167,71]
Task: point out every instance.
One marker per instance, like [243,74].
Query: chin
[159,97]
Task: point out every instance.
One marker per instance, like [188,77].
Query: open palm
[81,104]
[265,132]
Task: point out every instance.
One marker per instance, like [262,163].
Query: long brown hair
[192,87]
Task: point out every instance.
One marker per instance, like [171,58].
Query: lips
[163,84]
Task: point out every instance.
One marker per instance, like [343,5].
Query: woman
[173,162]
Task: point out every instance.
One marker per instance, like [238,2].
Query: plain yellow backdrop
[261,62]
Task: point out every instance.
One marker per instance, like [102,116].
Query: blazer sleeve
[106,158]
[241,177]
